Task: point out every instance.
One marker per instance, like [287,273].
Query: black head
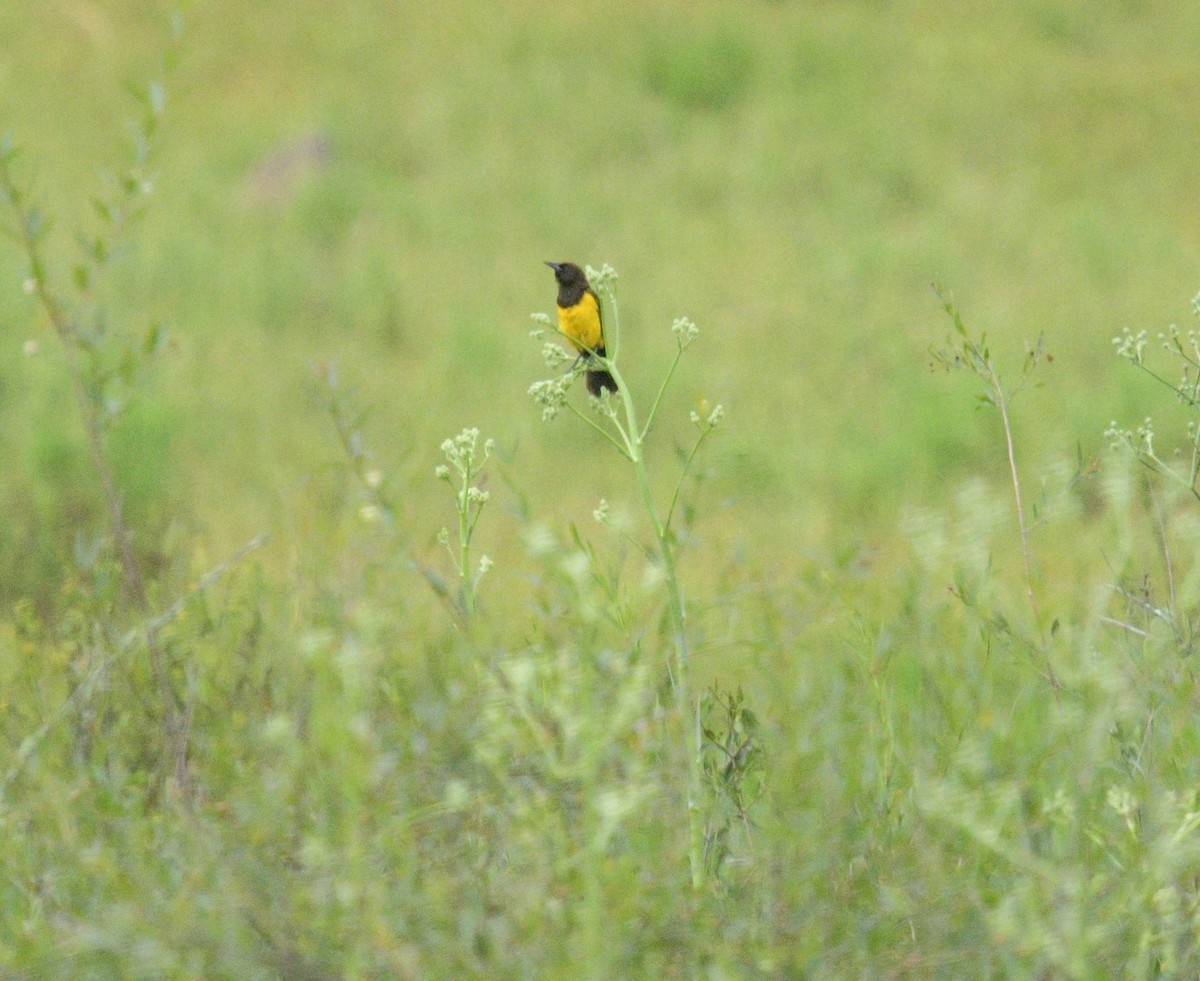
[568,274]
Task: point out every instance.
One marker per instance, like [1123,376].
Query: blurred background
[376,185]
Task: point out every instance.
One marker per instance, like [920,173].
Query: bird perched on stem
[580,319]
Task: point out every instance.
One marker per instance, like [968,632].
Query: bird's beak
[556,266]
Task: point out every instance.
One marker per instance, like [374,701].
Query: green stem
[464,546]
[88,403]
[689,714]
[622,447]
[1162,381]
[612,333]
[1154,462]
[687,465]
[661,389]
[1002,405]
[1195,466]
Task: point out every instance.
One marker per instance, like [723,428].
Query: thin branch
[1124,626]
[1002,405]
[622,448]
[687,465]
[661,390]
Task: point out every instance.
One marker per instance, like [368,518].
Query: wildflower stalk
[975,357]
[464,459]
[628,435]
[1002,405]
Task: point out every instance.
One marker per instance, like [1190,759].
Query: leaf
[81,276]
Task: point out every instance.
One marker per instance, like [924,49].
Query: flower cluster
[1130,346]
[551,395]
[704,419]
[603,280]
[463,458]
[685,332]
[460,453]
[554,356]
[1140,440]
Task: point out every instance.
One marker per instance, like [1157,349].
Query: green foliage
[1105,826]
[733,771]
[288,761]
[103,363]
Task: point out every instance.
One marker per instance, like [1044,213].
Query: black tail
[599,380]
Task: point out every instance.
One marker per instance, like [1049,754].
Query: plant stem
[689,713]
[621,447]
[1002,405]
[464,546]
[661,390]
[687,466]
[89,412]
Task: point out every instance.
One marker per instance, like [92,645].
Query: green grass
[316,766]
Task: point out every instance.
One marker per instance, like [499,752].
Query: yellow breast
[581,323]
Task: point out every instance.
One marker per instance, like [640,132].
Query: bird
[580,319]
